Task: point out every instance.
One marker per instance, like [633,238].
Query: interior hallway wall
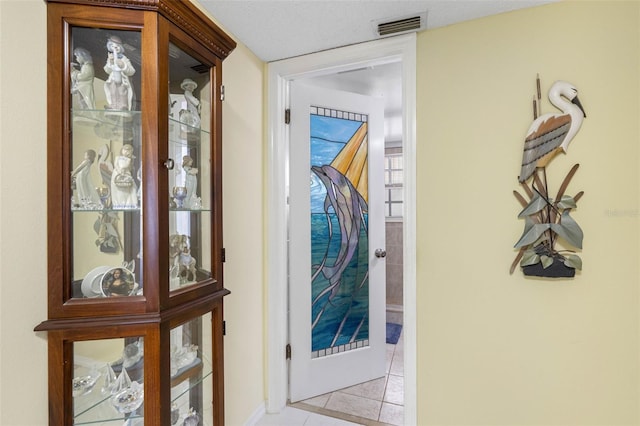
[243,234]
[500,349]
[23,221]
[243,216]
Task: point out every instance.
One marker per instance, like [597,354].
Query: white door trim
[387,50]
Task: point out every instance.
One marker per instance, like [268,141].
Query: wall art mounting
[548,219]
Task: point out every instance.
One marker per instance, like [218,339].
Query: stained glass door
[336,223]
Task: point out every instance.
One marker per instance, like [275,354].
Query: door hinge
[224,328]
[288,351]
[222,92]
[287,116]
[223,255]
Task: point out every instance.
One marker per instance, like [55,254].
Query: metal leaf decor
[537,204]
[568,229]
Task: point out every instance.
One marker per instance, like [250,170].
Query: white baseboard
[256,416]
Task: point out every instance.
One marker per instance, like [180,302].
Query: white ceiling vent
[387,27]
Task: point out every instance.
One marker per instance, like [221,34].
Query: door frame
[280,73]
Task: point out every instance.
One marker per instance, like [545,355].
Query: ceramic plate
[91,282]
[117,281]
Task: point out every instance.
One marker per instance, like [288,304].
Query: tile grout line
[381,400]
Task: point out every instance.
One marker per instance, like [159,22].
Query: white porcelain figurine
[82,75]
[118,88]
[87,195]
[190,182]
[191,115]
[124,191]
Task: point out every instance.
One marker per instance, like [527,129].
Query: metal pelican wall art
[548,219]
[552,133]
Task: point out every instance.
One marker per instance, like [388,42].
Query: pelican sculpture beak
[576,101]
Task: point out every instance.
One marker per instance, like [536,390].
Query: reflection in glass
[105,153]
[108,380]
[190,182]
[191,372]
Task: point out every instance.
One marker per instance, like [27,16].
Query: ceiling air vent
[401,25]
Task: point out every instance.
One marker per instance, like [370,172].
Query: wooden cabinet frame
[150,314]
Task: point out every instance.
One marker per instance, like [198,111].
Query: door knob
[381,253]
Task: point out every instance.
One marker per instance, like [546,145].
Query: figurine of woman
[190,181]
[81,175]
[118,88]
[124,191]
[190,116]
[82,78]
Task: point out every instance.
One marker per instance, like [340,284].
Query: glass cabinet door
[192,373]
[108,382]
[190,169]
[105,162]
[134,257]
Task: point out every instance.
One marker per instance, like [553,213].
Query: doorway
[375,54]
[364,393]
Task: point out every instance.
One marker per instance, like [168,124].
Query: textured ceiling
[281,29]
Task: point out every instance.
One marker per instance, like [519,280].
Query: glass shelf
[184,133]
[103,210]
[96,406]
[110,116]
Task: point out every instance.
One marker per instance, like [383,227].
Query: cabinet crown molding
[181,13]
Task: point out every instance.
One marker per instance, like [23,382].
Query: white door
[336,280]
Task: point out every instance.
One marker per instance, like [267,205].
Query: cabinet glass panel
[192,373]
[190,180]
[105,175]
[107,385]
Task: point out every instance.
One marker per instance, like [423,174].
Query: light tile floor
[375,403]
[291,416]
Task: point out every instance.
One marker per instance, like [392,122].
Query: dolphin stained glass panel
[339,236]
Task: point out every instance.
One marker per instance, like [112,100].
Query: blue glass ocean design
[339,238]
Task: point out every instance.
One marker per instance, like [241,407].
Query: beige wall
[23,226]
[243,213]
[500,349]
[243,235]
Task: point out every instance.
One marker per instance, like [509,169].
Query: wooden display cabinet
[135,289]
